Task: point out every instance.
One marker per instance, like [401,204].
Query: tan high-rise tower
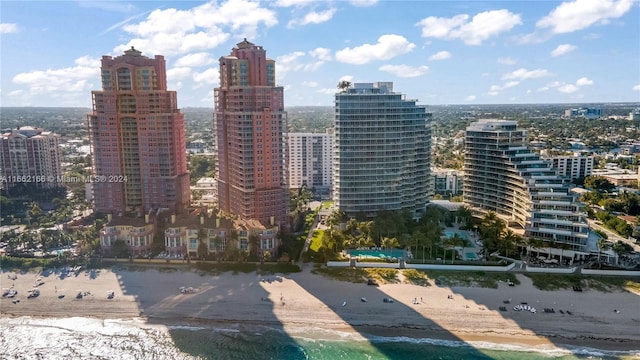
[250,121]
[137,138]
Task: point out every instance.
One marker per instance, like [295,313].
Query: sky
[437,52]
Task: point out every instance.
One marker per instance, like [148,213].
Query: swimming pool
[380,254]
[470,256]
[449,234]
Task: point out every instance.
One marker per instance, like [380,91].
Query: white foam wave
[86,338]
[546,350]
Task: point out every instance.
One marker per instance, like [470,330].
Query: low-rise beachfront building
[136,232]
[254,233]
[184,233]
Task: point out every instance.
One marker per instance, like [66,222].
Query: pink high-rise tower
[249,121]
[138,138]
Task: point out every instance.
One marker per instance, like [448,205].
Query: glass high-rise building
[504,176]
[137,138]
[250,123]
[382,151]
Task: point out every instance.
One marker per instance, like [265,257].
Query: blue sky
[438,52]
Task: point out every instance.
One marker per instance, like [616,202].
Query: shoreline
[150,298]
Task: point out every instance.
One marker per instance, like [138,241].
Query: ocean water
[84,338]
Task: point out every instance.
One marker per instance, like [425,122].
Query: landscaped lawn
[316,240]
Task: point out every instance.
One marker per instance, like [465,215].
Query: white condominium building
[382,151]
[310,160]
[573,167]
[504,176]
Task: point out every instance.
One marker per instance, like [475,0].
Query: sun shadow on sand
[569,320]
[236,314]
[211,316]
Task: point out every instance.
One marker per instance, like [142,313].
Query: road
[613,237]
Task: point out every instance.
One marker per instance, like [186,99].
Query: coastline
[303,302]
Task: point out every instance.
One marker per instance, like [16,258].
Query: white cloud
[522,74]
[583,81]
[210,76]
[195,60]
[636,88]
[481,27]
[346,78]
[404,71]
[507,61]
[321,53]
[568,88]
[313,17]
[172,31]
[510,84]
[312,66]
[579,14]
[363,3]
[328,91]
[440,55]
[8,28]
[288,62]
[310,84]
[388,46]
[470,98]
[179,73]
[62,82]
[289,3]
[563,49]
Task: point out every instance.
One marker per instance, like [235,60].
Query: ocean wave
[86,338]
[316,334]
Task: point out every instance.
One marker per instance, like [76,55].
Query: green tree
[598,183]
[491,229]
[202,250]
[254,245]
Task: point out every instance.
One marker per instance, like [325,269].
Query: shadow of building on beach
[571,321]
[245,317]
[212,317]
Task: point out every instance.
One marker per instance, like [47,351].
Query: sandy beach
[308,301]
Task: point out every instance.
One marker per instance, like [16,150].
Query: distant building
[250,122]
[635,114]
[30,156]
[502,175]
[208,188]
[310,160]
[584,112]
[448,182]
[137,136]
[618,176]
[573,167]
[382,151]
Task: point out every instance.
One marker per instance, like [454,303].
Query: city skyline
[436,52]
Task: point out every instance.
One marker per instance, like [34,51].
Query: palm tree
[217,240]
[390,243]
[491,228]
[603,244]
[465,215]
[203,250]
[344,85]
[455,240]
[254,244]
